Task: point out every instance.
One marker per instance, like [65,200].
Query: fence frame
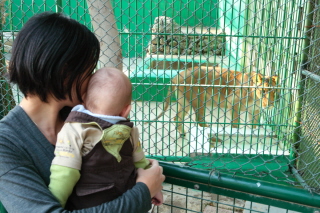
[274,194]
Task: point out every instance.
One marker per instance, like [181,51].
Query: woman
[52,59]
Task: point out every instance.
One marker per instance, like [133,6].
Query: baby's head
[109,93]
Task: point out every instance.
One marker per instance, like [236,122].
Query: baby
[98,149]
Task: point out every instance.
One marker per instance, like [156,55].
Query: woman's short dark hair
[51,54]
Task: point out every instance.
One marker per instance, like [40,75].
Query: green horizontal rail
[249,164]
[224,123]
[213,86]
[213,35]
[267,190]
[311,75]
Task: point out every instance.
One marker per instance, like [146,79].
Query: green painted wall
[19,13]
[134,18]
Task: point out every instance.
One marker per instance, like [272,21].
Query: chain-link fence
[241,80]
[308,150]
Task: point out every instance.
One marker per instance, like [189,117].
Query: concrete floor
[182,200]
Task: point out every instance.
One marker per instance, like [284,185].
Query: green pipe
[311,75]
[209,35]
[59,6]
[246,185]
[191,122]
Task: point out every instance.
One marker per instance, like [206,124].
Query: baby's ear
[126,111]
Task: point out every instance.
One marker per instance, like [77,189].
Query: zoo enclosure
[267,37]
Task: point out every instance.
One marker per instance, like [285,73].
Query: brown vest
[102,177]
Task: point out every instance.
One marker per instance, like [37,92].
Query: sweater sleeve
[23,190]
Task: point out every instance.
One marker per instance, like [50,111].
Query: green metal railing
[287,197]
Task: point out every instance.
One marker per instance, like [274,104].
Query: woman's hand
[152,177]
[157,199]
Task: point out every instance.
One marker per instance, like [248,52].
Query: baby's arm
[140,161]
[62,181]
[66,165]
[143,163]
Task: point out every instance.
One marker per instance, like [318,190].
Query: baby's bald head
[109,92]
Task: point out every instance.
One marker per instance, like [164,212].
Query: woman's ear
[125,111]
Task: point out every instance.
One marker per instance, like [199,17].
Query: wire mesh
[309,152]
[181,199]
[229,127]
[257,36]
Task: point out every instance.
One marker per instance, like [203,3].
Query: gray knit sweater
[25,159]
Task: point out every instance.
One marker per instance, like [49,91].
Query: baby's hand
[157,199]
